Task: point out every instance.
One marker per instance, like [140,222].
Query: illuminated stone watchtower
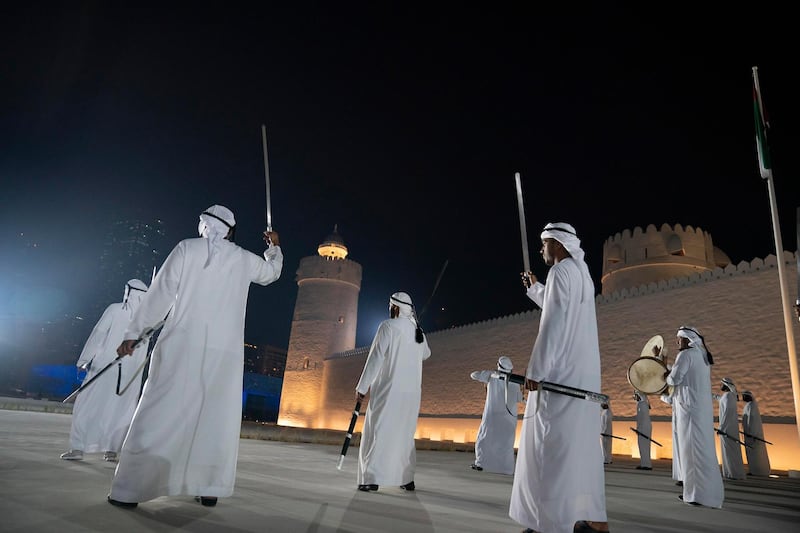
[324,322]
[653,255]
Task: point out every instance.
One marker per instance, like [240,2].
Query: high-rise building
[133,248]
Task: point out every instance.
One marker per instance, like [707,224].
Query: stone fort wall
[738,310]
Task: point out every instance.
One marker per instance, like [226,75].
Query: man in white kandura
[757,458]
[393,376]
[559,481]
[732,464]
[606,432]
[103,410]
[494,446]
[644,425]
[184,437]
[694,418]
[667,398]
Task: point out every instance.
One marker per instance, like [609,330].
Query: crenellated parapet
[640,257]
[731,270]
[317,268]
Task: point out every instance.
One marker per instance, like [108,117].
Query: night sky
[402,123]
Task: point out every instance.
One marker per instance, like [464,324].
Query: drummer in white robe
[184,437]
[732,464]
[694,418]
[644,425]
[757,457]
[559,482]
[103,410]
[393,377]
[494,446]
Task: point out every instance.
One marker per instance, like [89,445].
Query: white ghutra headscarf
[566,235]
[134,292]
[215,223]
[696,341]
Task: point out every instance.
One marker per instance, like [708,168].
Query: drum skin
[646,374]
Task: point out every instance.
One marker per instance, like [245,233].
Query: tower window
[341,320]
[306,363]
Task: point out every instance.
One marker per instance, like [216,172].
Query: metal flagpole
[776,230]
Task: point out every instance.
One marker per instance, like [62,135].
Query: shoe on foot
[124,505]
[73,455]
[644,467]
[408,486]
[110,456]
[208,501]
[476,467]
[680,497]
[582,526]
[367,488]
[679,483]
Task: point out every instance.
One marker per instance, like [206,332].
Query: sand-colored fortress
[653,281]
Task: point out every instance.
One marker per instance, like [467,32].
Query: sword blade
[93,378]
[266,176]
[645,436]
[526,260]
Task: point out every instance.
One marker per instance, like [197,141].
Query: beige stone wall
[737,309]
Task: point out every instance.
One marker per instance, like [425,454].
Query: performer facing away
[644,425]
[184,437]
[559,482]
[694,418]
[393,376]
[103,411]
[494,446]
[606,432]
[732,464]
[757,457]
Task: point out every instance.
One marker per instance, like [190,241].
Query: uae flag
[762,125]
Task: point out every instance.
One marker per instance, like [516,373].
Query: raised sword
[526,260]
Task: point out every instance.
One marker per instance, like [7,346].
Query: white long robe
[757,458]
[607,429]
[184,437]
[732,464]
[559,477]
[644,425]
[694,418]
[393,376]
[100,417]
[494,445]
[677,475]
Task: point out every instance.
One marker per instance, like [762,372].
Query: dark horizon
[403,126]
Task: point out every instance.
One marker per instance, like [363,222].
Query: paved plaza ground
[295,487]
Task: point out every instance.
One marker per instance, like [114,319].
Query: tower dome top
[333,246]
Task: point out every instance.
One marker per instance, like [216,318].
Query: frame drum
[646,374]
